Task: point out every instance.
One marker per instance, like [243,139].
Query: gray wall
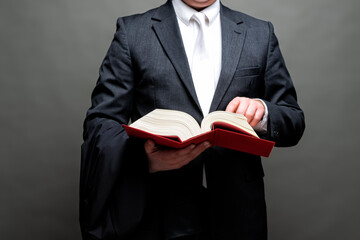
[49,58]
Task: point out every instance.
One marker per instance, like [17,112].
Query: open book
[178,129]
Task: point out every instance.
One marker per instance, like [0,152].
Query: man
[135,190]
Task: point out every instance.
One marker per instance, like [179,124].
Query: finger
[243,106]
[181,153]
[168,156]
[250,111]
[233,105]
[259,114]
[176,158]
[195,152]
[150,146]
[199,149]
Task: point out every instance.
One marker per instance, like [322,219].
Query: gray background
[50,52]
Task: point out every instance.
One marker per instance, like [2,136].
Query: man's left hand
[252,109]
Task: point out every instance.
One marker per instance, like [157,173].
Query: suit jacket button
[276,134]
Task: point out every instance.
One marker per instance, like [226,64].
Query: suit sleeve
[107,152]
[286,119]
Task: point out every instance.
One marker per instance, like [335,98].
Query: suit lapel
[233,34]
[167,30]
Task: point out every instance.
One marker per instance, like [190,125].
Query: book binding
[217,137]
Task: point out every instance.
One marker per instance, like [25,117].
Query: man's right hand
[161,159]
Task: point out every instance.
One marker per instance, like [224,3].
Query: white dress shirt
[189,31]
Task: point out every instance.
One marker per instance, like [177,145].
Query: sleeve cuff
[261,127]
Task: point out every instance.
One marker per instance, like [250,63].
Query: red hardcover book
[222,134]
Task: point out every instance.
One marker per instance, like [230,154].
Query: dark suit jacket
[146,68]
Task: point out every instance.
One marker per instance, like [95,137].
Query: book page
[237,120]
[170,123]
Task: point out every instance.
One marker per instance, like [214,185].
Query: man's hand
[169,159]
[253,110]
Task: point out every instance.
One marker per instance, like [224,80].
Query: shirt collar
[185,12]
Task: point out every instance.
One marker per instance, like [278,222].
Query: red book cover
[223,135]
